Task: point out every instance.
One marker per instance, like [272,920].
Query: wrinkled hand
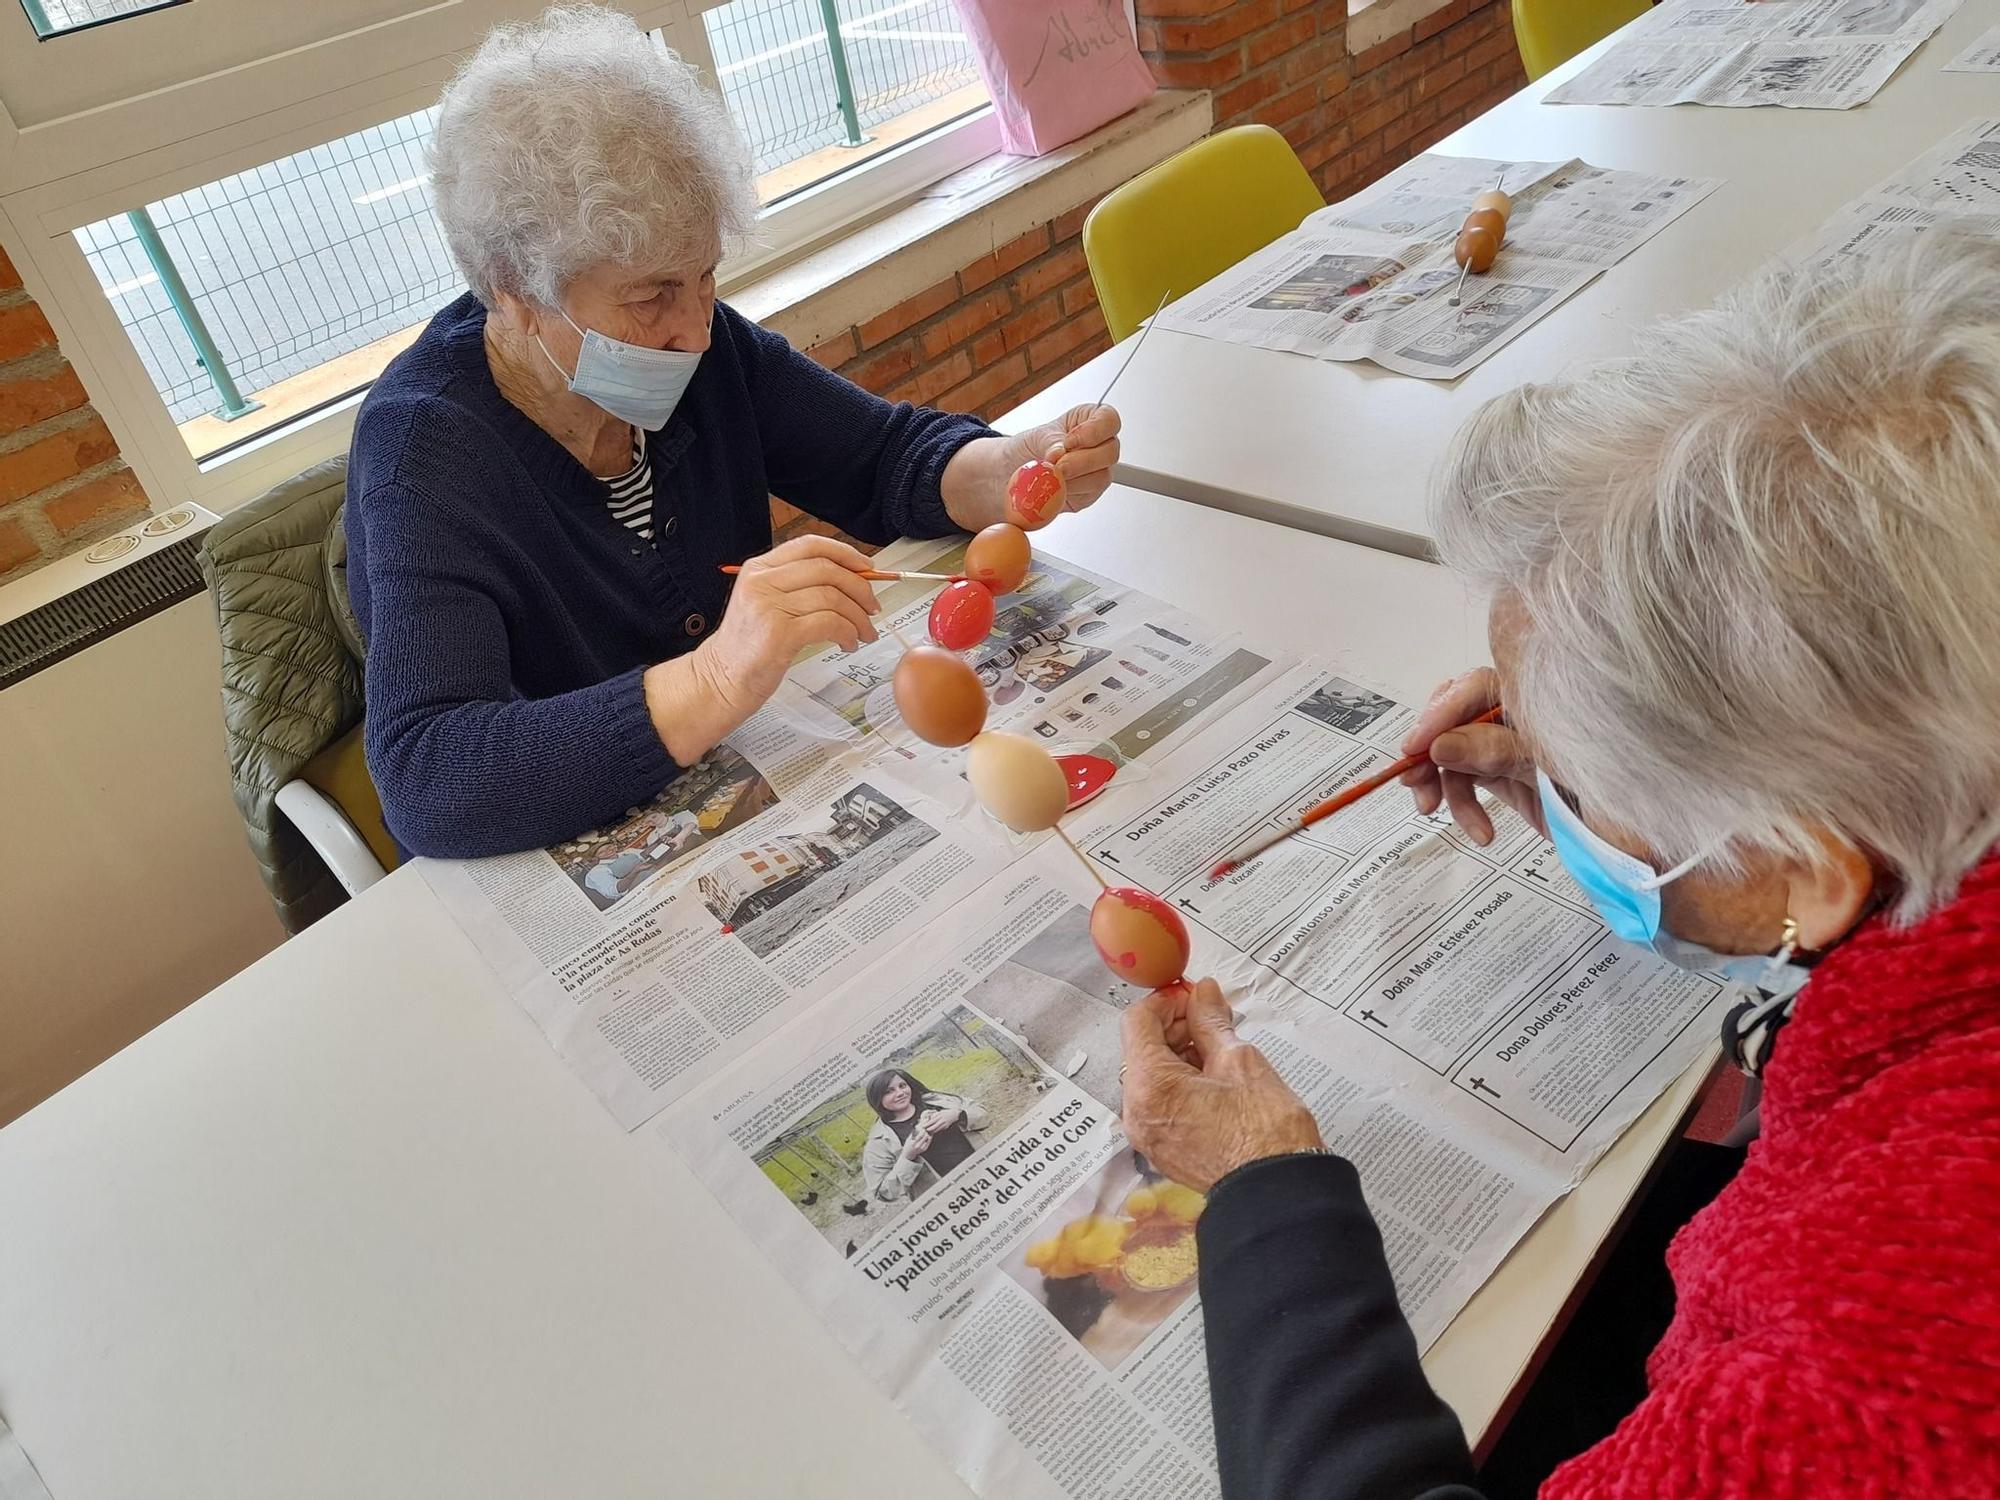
[1215,1103]
[1084,448]
[802,594]
[918,1142]
[1467,758]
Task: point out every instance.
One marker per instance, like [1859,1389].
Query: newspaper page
[1373,278]
[1983,56]
[1801,54]
[821,835]
[1463,1028]
[1955,186]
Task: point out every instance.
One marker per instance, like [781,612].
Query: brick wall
[62,483]
[988,338]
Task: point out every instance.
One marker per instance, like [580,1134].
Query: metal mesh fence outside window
[288,265]
[53,17]
[230,288]
[778,68]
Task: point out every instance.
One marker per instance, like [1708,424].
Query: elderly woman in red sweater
[1746,621]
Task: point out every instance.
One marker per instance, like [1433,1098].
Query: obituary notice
[1373,277]
[892,1052]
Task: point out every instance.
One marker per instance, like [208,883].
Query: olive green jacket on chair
[291,677]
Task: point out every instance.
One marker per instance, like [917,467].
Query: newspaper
[1464,1029]
[821,835]
[1802,54]
[1983,56]
[1955,185]
[1373,278]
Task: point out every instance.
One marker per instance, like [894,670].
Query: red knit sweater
[1838,1325]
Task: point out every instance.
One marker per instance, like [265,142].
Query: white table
[346,1226]
[1349,449]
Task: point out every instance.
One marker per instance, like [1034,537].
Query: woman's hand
[942,1119]
[916,1144]
[1214,1103]
[1467,757]
[1083,446]
[801,594]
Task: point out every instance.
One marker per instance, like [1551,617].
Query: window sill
[1374,22]
[868,270]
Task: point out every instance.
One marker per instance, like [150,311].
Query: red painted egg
[1034,495]
[961,615]
[999,557]
[1140,938]
[1087,775]
[939,696]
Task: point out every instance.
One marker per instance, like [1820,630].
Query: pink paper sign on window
[1057,69]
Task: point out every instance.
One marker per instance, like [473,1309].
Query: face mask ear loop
[1654,882]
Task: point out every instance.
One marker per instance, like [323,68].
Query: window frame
[58,177]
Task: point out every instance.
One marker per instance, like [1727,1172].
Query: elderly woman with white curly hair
[545,485]
[1746,621]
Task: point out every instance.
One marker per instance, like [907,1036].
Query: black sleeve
[1313,1371]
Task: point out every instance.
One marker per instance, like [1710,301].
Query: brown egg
[1140,938]
[1476,248]
[1486,218]
[1017,781]
[939,696]
[1496,200]
[999,557]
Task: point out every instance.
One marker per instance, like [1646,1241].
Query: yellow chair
[1197,213]
[1551,32]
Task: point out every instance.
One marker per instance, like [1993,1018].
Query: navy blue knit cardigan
[509,618]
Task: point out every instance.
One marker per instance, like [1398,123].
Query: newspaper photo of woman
[918,1138]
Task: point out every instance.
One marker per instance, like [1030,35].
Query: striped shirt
[631,499]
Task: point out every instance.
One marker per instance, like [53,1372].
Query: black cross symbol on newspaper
[1183,901]
[1107,856]
[1369,1015]
[1480,1084]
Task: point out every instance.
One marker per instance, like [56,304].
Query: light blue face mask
[1626,892]
[635,384]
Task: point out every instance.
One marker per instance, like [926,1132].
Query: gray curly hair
[1758,567]
[574,140]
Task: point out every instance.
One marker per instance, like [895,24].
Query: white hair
[572,141]
[1758,568]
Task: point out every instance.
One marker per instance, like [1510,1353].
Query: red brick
[1200,72]
[110,497]
[1460,95]
[1408,124]
[9,277]
[942,376]
[1154,10]
[1077,296]
[28,399]
[1008,257]
[1049,273]
[1490,51]
[975,393]
[835,352]
[1290,107]
[1231,104]
[52,459]
[988,347]
[1225,26]
[1377,116]
[1070,225]
[16,546]
[1438,20]
[1031,324]
[1373,57]
[926,304]
[1440,77]
[1318,153]
[1333,85]
[23,330]
[1506,73]
[1079,330]
[964,320]
[1280,39]
[885,367]
[1149,36]
[1328,55]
